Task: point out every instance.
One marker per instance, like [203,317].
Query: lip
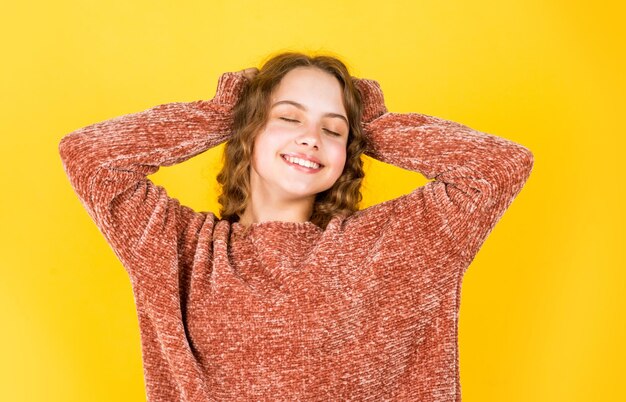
[305,157]
[301,168]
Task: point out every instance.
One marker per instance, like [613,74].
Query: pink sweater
[366,309]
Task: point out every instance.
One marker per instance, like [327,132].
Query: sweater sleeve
[107,164]
[476,175]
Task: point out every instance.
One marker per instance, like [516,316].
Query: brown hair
[250,116]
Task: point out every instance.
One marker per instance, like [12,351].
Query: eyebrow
[302,107]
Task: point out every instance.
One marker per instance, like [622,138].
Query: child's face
[316,130]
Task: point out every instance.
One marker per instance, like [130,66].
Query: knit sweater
[364,309]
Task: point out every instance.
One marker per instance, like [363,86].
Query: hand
[250,73]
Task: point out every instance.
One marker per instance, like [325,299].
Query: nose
[310,137]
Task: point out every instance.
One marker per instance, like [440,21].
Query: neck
[274,210]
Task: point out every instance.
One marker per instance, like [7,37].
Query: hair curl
[250,116]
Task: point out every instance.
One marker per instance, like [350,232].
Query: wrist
[229,88]
[372,99]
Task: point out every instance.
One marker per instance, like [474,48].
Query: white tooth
[302,162]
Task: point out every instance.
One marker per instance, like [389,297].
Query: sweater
[364,309]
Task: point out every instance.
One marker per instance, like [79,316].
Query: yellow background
[542,312]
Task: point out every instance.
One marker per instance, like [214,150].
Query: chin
[296,194]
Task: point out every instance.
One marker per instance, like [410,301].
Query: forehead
[312,87]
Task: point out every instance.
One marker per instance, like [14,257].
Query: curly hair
[250,115]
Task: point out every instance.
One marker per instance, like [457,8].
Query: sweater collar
[281,227]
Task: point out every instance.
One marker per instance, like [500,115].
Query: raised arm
[477,175]
[107,164]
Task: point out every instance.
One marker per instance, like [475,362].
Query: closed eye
[297,121]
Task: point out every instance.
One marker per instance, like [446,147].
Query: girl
[294,293]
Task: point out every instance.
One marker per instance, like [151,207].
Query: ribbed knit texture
[366,309]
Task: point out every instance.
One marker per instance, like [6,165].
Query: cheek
[259,150]
[338,156]
[265,147]
[271,137]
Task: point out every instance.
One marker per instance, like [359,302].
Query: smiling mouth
[302,163]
